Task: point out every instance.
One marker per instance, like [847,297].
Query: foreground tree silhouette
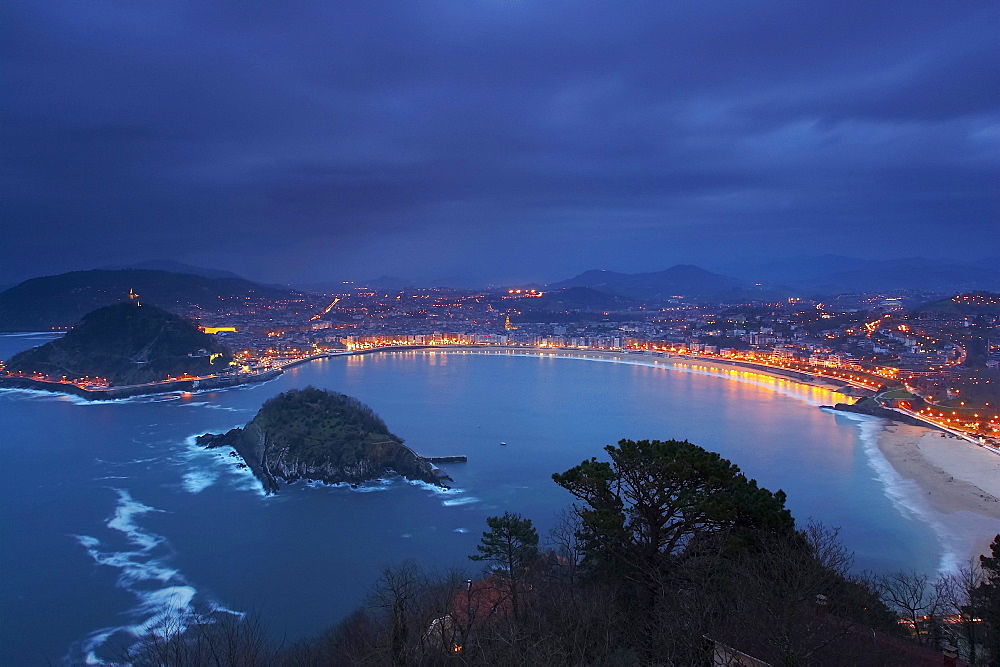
[988,600]
[653,500]
[511,544]
[654,497]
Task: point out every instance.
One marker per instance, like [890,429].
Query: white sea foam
[197,481]
[123,520]
[461,530]
[434,488]
[463,500]
[39,395]
[165,600]
[905,494]
[167,607]
[372,486]
[204,467]
[212,406]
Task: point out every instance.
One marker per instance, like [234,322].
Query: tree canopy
[654,497]
[511,544]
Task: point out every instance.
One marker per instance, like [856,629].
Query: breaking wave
[905,495]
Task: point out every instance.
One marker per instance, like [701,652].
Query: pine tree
[511,545]
[988,599]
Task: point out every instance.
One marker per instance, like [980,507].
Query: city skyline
[505,142]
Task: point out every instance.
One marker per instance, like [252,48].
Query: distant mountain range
[175,267]
[682,280]
[828,274]
[822,275]
[60,301]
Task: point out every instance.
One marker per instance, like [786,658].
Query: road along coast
[663,359]
[957,480]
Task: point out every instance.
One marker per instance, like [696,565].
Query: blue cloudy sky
[503,140]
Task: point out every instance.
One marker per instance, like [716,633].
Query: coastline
[130,391]
[664,359]
[172,386]
[959,480]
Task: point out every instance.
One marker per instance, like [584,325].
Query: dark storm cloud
[366,138]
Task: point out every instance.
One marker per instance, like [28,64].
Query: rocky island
[321,435]
[124,344]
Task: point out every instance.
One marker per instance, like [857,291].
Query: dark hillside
[126,344]
[60,301]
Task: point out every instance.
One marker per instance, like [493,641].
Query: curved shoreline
[959,479]
[661,360]
[950,470]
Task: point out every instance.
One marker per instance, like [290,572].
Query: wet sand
[960,480]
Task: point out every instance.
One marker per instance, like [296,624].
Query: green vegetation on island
[321,435]
[126,344]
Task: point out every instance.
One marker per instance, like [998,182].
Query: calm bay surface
[113,520]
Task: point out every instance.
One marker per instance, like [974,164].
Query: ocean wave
[460,530]
[463,500]
[164,599]
[197,481]
[434,489]
[204,467]
[207,405]
[452,496]
[168,397]
[372,486]
[905,494]
[18,393]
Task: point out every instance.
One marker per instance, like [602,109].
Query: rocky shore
[291,439]
[868,406]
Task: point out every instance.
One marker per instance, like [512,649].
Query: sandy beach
[960,480]
[707,363]
[957,481]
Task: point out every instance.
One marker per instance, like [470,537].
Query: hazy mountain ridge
[175,267]
[839,274]
[907,274]
[62,300]
[681,280]
[819,275]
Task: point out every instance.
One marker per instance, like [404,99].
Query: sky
[493,141]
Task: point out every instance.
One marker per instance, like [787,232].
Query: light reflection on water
[239,548]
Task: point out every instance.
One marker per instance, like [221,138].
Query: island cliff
[320,435]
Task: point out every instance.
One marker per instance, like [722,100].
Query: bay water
[114,521]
